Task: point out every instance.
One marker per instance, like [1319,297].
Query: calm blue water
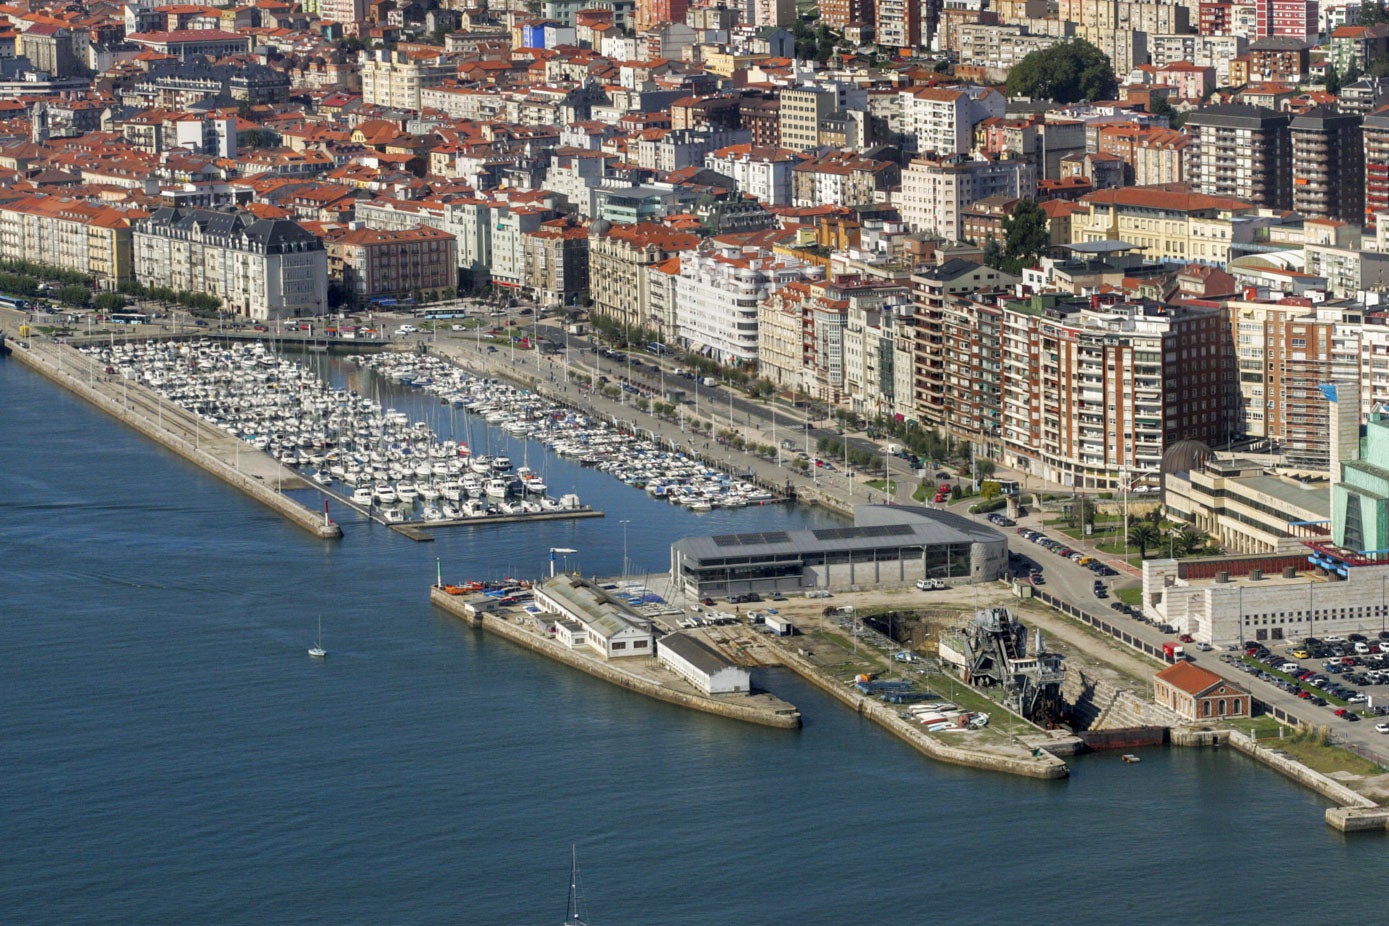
[168,754]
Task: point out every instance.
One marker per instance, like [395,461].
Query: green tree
[985,468]
[1025,233]
[75,295]
[1144,535]
[1187,540]
[1373,13]
[1080,513]
[993,254]
[824,44]
[109,302]
[1064,73]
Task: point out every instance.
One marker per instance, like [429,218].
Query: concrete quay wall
[608,673]
[150,427]
[1044,766]
[1354,813]
[1327,787]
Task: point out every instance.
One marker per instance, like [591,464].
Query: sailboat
[317,651]
[571,910]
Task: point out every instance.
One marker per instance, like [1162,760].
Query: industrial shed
[699,664]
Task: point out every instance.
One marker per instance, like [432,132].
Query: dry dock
[641,675]
[251,471]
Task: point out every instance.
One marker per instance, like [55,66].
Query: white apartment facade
[718,292]
[935,193]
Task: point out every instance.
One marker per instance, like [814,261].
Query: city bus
[129,318]
[15,302]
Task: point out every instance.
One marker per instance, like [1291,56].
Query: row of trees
[197,303]
[1145,532]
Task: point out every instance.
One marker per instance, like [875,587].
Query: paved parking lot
[1349,677]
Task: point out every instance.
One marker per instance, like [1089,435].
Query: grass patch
[889,486]
[1310,747]
[924,492]
[1130,596]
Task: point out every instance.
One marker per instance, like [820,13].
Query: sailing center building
[888,546]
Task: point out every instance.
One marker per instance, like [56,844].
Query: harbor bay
[174,755]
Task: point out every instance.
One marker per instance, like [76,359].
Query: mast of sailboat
[571,911]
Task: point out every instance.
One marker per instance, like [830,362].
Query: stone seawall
[95,393]
[608,673]
[1044,766]
[1354,813]
[1326,787]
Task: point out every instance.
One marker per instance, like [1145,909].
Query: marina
[388,468]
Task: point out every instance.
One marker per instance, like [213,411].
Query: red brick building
[1199,694]
[373,262]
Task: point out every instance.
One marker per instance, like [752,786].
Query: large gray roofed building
[889,545]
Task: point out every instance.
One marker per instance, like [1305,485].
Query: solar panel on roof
[743,540]
[874,530]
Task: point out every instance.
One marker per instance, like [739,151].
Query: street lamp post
[624,524]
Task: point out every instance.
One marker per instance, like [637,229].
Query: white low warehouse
[697,663]
[589,616]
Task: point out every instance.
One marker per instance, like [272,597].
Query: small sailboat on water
[317,651]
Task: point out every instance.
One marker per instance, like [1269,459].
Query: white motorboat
[384,494]
[361,496]
[497,487]
[431,513]
[393,515]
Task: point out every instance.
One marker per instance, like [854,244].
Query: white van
[1362,649]
[406,329]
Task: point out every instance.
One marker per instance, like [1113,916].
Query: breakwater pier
[639,675]
[255,474]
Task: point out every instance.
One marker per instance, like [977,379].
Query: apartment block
[1328,165]
[1375,133]
[556,262]
[840,13]
[395,79]
[1243,152]
[940,121]
[802,110]
[720,288]
[259,268]
[1170,222]
[372,262]
[619,284]
[70,234]
[935,193]
[898,23]
[842,178]
[1285,351]
[1092,394]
